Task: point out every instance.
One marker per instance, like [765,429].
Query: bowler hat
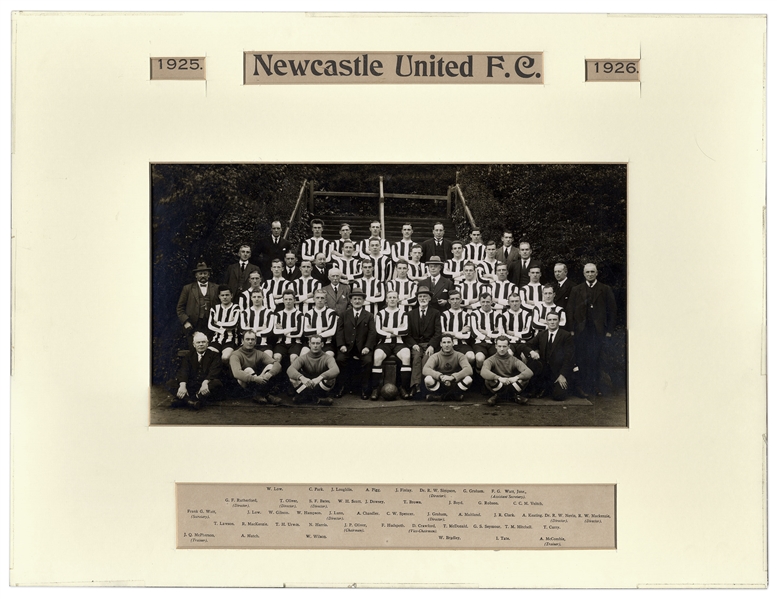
[434,260]
[357,293]
[200,267]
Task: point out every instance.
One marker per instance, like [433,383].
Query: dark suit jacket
[323,278]
[514,255]
[561,357]
[430,249]
[237,280]
[602,306]
[562,292]
[516,272]
[266,251]
[193,370]
[429,331]
[339,302]
[295,274]
[188,308]
[355,334]
[440,291]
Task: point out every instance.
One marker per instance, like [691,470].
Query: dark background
[574,213]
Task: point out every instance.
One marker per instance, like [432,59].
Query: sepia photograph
[389,294]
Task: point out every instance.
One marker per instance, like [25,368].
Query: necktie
[356,315]
[199,358]
[507,251]
[242,267]
[423,314]
[525,264]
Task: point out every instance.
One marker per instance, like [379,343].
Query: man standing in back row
[591,315]
[437,245]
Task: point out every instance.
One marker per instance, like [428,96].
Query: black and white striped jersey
[485,325]
[316,245]
[322,322]
[223,321]
[261,322]
[273,292]
[289,326]
[305,287]
[391,325]
[517,325]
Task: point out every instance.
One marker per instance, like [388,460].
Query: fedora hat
[434,260]
[425,290]
[200,267]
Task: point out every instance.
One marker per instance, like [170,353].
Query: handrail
[382,211]
[296,209]
[372,194]
[467,213]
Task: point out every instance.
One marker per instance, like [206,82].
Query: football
[389,392]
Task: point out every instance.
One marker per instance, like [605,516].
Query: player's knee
[404,356]
[470,356]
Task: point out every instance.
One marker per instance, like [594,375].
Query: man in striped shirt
[384,267]
[345,235]
[322,322]
[391,326]
[305,287]
[260,321]
[531,293]
[313,375]
[349,265]
[401,249]
[485,326]
[255,280]
[405,288]
[454,268]
[516,325]
[487,266]
[317,243]
[455,322]
[471,288]
[374,289]
[502,288]
[274,288]
[447,373]
[505,375]
[417,270]
[288,329]
[223,321]
[475,250]
[364,246]
[545,307]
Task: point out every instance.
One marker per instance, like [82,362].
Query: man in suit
[519,269]
[437,284]
[507,254]
[198,375]
[554,349]
[270,248]
[437,245]
[291,271]
[195,302]
[591,312]
[423,336]
[355,339]
[562,285]
[337,293]
[236,277]
[320,270]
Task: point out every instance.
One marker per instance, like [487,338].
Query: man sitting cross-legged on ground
[313,375]
[447,374]
[254,370]
[555,350]
[355,340]
[391,327]
[198,375]
[505,375]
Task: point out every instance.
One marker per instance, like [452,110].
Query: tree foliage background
[570,213]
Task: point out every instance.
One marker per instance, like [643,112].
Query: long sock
[404,377]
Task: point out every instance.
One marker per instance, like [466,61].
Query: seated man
[505,375]
[288,330]
[254,370]
[355,340]
[456,323]
[423,336]
[321,322]
[373,288]
[198,376]
[485,326]
[223,321]
[555,350]
[391,327]
[447,373]
[260,320]
[313,375]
